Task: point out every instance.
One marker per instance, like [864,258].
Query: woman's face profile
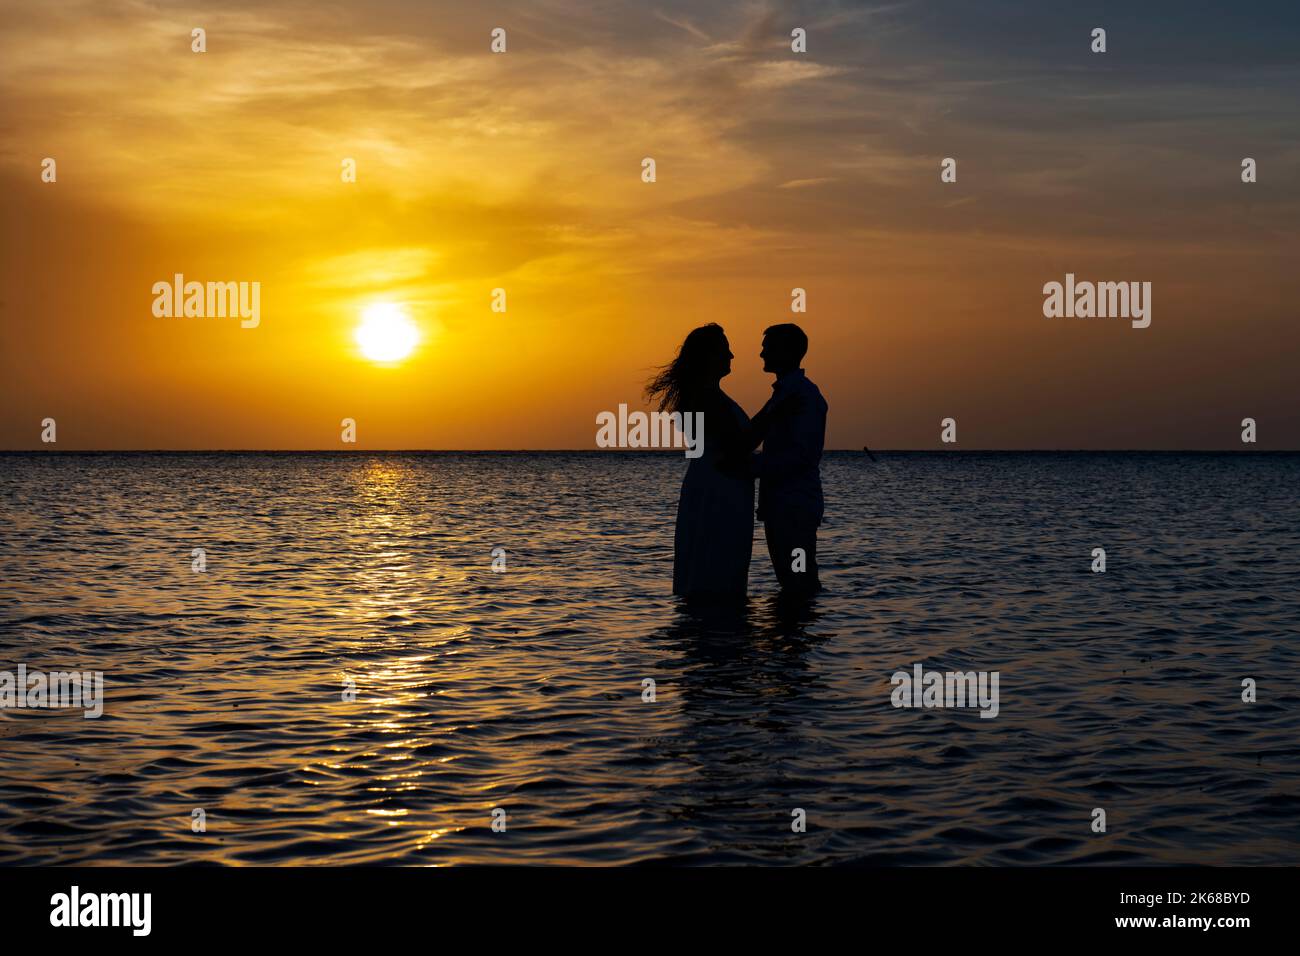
[724,358]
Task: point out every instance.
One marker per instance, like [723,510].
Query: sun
[385,333]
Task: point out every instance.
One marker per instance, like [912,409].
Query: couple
[715,514]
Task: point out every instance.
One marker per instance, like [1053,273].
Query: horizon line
[619,451]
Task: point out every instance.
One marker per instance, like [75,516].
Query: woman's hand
[788,407]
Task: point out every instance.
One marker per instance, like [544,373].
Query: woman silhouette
[715,513]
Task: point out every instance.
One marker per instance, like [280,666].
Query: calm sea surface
[523,690]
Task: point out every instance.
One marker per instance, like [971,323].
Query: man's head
[784,347]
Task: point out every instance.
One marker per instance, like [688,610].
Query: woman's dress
[715,513]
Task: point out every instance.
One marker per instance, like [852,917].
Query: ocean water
[522,690]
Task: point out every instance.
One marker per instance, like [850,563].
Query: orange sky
[522,171]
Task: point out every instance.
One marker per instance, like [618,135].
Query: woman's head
[703,360]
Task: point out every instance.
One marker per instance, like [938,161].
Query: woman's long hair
[680,385]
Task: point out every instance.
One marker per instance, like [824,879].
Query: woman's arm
[776,409]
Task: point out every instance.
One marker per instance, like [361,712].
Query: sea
[475,658]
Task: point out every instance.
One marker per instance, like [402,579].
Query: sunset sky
[522,171]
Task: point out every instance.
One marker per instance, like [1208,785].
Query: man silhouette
[789,466]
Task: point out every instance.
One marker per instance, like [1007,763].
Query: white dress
[715,517]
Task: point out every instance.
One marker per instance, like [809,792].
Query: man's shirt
[789,466]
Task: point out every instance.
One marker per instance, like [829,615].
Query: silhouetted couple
[715,514]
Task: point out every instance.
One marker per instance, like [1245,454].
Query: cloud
[805,183]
